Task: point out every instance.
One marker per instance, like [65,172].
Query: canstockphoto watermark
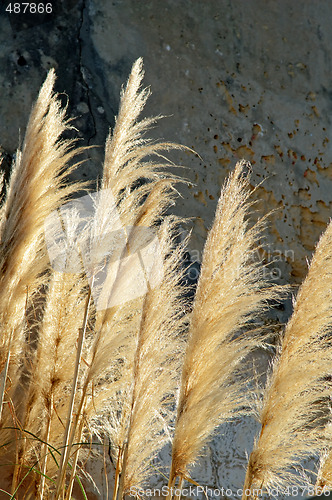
[208,492]
[194,491]
[190,491]
[121,262]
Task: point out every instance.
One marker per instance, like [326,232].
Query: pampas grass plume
[295,409]
[231,292]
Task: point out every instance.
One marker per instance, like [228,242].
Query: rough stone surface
[247,79]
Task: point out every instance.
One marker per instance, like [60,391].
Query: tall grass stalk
[232,291]
[156,369]
[71,425]
[36,188]
[139,208]
[295,411]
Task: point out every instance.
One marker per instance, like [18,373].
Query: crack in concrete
[82,70]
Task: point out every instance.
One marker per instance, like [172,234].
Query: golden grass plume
[36,188]
[232,290]
[295,408]
[122,233]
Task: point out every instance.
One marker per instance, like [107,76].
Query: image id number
[29,8]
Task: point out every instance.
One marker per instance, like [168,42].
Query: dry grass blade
[231,292]
[53,367]
[33,193]
[125,145]
[295,409]
[127,172]
[134,195]
[157,364]
[135,191]
[122,204]
[36,189]
[141,192]
[71,420]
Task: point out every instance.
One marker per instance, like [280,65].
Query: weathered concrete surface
[246,79]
